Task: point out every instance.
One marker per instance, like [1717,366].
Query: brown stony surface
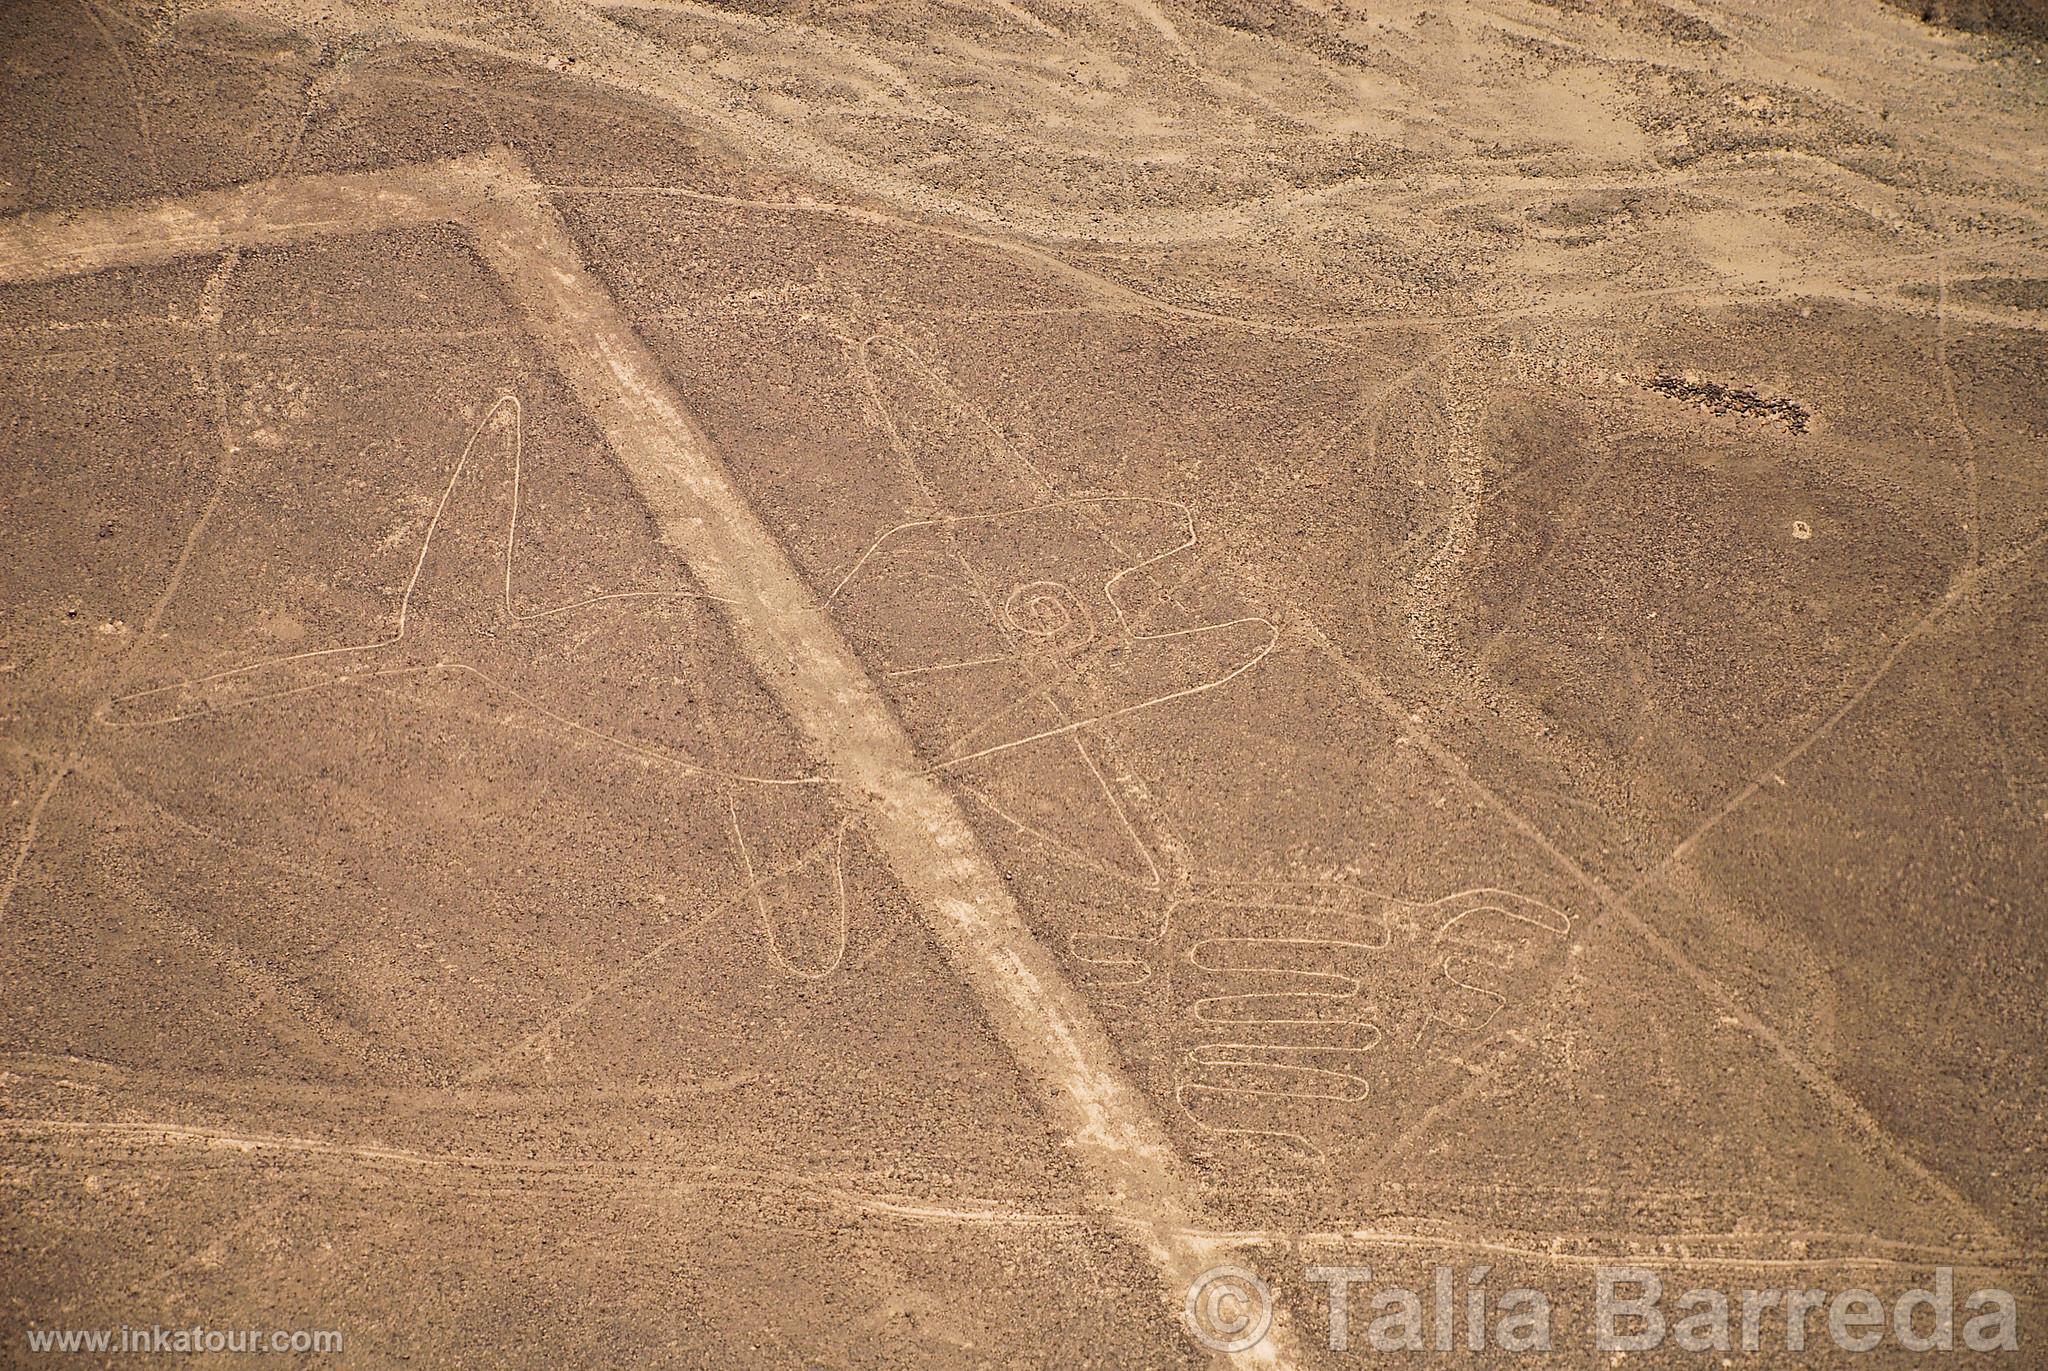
[1477,571]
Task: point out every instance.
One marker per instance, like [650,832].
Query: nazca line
[1135,1179]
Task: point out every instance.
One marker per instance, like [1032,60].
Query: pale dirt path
[1136,1181]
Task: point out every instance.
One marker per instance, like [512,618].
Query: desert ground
[780,684]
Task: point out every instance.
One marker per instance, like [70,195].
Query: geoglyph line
[146,1142]
[1135,1178]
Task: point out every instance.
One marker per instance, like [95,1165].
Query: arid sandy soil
[779,684]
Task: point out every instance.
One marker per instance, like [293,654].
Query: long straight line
[1110,1127]
[1135,1180]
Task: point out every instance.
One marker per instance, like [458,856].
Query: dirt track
[785,685]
